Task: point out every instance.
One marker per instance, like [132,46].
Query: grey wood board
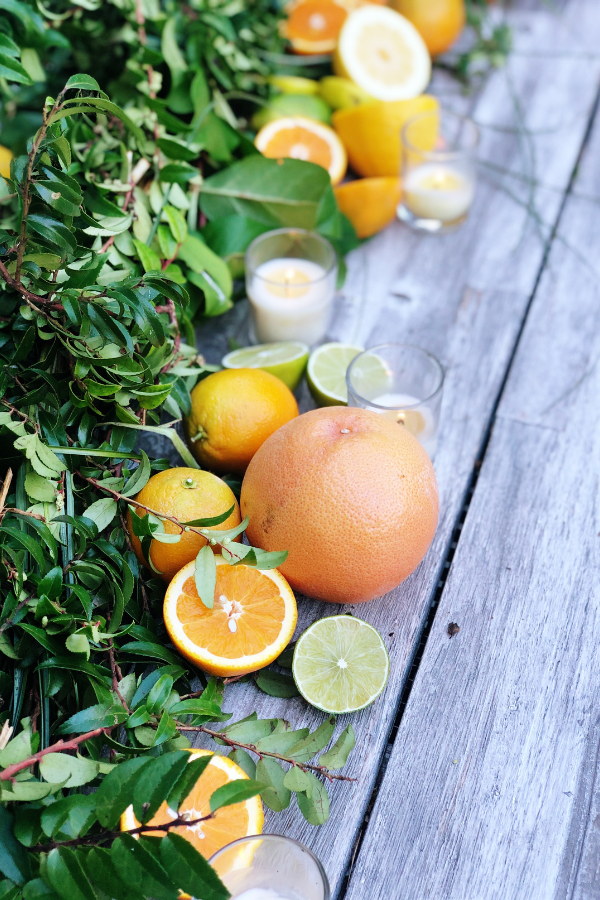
[493,784]
[462,296]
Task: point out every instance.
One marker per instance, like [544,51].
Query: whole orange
[233,413]
[185,494]
[352,496]
[439,22]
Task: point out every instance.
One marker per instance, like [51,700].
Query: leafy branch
[9,772]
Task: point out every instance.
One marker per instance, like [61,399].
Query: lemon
[341,93]
[326,373]
[5,161]
[383,53]
[340,664]
[293,84]
[292,105]
[286,360]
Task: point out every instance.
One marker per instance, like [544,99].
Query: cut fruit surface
[326,373]
[250,624]
[383,53]
[340,664]
[296,137]
[228,824]
[371,133]
[313,26]
[369,203]
[285,359]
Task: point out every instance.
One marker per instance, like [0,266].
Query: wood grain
[493,784]
[464,297]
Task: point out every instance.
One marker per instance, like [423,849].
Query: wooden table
[478,771]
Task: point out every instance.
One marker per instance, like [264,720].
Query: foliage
[489,47]
[104,273]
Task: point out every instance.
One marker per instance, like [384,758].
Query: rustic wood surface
[493,784]
[442,828]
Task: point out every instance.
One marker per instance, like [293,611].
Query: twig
[116,675]
[17,609]
[252,748]
[5,488]
[10,771]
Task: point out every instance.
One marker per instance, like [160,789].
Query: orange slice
[229,823]
[313,26]
[250,624]
[296,137]
[369,203]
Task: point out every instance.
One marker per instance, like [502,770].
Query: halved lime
[371,376]
[286,359]
[340,664]
[326,373]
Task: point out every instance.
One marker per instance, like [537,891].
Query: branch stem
[9,773]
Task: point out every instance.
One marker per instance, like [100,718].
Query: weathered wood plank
[492,787]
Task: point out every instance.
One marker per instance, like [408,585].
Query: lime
[371,376]
[340,664]
[284,105]
[286,360]
[327,373]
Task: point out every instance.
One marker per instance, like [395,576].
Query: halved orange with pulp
[296,137]
[251,623]
[228,824]
[313,26]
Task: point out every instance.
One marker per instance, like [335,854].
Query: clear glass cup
[439,170]
[270,867]
[291,278]
[402,382]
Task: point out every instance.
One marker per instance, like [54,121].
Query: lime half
[327,373]
[286,359]
[340,664]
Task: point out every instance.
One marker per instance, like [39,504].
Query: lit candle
[405,410]
[291,300]
[438,191]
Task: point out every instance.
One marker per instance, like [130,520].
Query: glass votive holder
[270,867]
[402,382]
[291,277]
[439,170]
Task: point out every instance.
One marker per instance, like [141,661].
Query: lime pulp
[286,360]
[326,373]
[340,664]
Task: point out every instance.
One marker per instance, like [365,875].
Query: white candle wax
[291,300]
[419,420]
[438,191]
[261,894]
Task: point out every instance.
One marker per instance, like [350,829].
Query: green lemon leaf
[205,576]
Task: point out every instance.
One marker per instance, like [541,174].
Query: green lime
[340,664]
[327,373]
[286,360]
[371,376]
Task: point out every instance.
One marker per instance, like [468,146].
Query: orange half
[296,137]
[313,26]
[251,623]
[229,823]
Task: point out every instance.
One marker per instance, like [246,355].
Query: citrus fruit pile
[381,60]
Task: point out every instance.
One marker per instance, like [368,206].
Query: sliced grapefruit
[228,824]
[296,137]
[251,623]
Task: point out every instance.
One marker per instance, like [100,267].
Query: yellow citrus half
[383,53]
[250,624]
[297,137]
[369,203]
[229,823]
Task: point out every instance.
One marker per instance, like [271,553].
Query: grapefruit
[351,495]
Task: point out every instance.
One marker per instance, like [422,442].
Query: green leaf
[149,259]
[189,870]
[73,771]
[234,792]
[243,759]
[137,863]
[115,793]
[39,488]
[67,876]
[276,795]
[77,811]
[175,150]
[28,543]
[82,83]
[310,745]
[159,694]
[281,741]
[186,781]
[105,877]
[103,715]
[251,730]
[276,684]
[18,749]
[269,560]
[155,783]
[53,231]
[336,756]
[154,651]
[78,643]
[102,512]
[177,223]
[14,860]
[211,520]
[12,70]
[297,779]
[205,575]
[274,192]
[314,803]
